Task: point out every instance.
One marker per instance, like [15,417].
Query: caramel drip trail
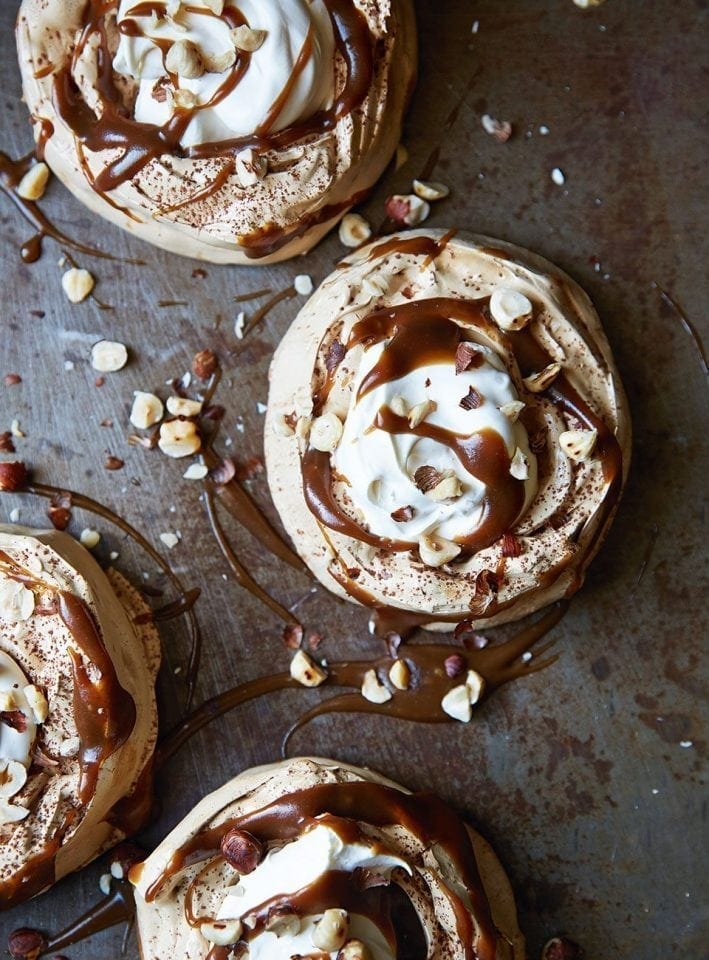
[117,907]
[497,664]
[11,173]
[93,506]
[241,574]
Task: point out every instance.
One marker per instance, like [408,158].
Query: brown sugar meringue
[313,858]
[78,660]
[228,130]
[447,436]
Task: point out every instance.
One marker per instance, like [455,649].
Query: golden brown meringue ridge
[447,436]
[78,660]
[228,130]
[313,858]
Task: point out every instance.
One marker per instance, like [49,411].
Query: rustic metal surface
[586,776]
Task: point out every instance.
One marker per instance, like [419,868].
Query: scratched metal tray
[585,776]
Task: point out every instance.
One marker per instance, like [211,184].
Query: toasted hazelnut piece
[325,432]
[430,189]
[586,4]
[13,475]
[578,445]
[204,364]
[16,601]
[454,665]
[8,700]
[247,39]
[196,471]
[241,850]
[184,59]
[179,438]
[108,356]
[475,684]
[123,857]
[538,382]
[304,669]
[12,813]
[77,284]
[282,427]
[512,409]
[184,99]
[147,410]
[510,309]
[330,931]
[418,413]
[13,776]
[221,933]
[519,468]
[26,944]
[500,129]
[302,427]
[283,923]
[218,62]
[400,675]
[456,703]
[303,284]
[399,406]
[34,182]
[560,948]
[37,702]
[89,538]
[250,167]
[354,950]
[407,209]
[182,407]
[354,230]
[374,285]
[448,488]
[435,551]
[373,690]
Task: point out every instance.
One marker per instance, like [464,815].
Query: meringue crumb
[104,883]
[239,325]
[260,407]
[113,555]
[170,540]
[68,365]
[15,515]
[558,177]
[196,471]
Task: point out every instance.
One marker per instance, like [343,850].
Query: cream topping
[295,63]
[379,467]
[299,864]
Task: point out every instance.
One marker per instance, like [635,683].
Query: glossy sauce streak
[140,143]
[419,333]
[424,816]
[104,714]
[11,173]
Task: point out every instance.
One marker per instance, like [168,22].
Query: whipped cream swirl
[286,80]
[380,467]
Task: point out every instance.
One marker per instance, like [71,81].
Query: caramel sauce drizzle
[140,143]
[344,805]
[421,702]
[186,597]
[104,714]
[421,332]
[11,174]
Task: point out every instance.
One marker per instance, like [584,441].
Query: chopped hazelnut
[77,284]
[34,182]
